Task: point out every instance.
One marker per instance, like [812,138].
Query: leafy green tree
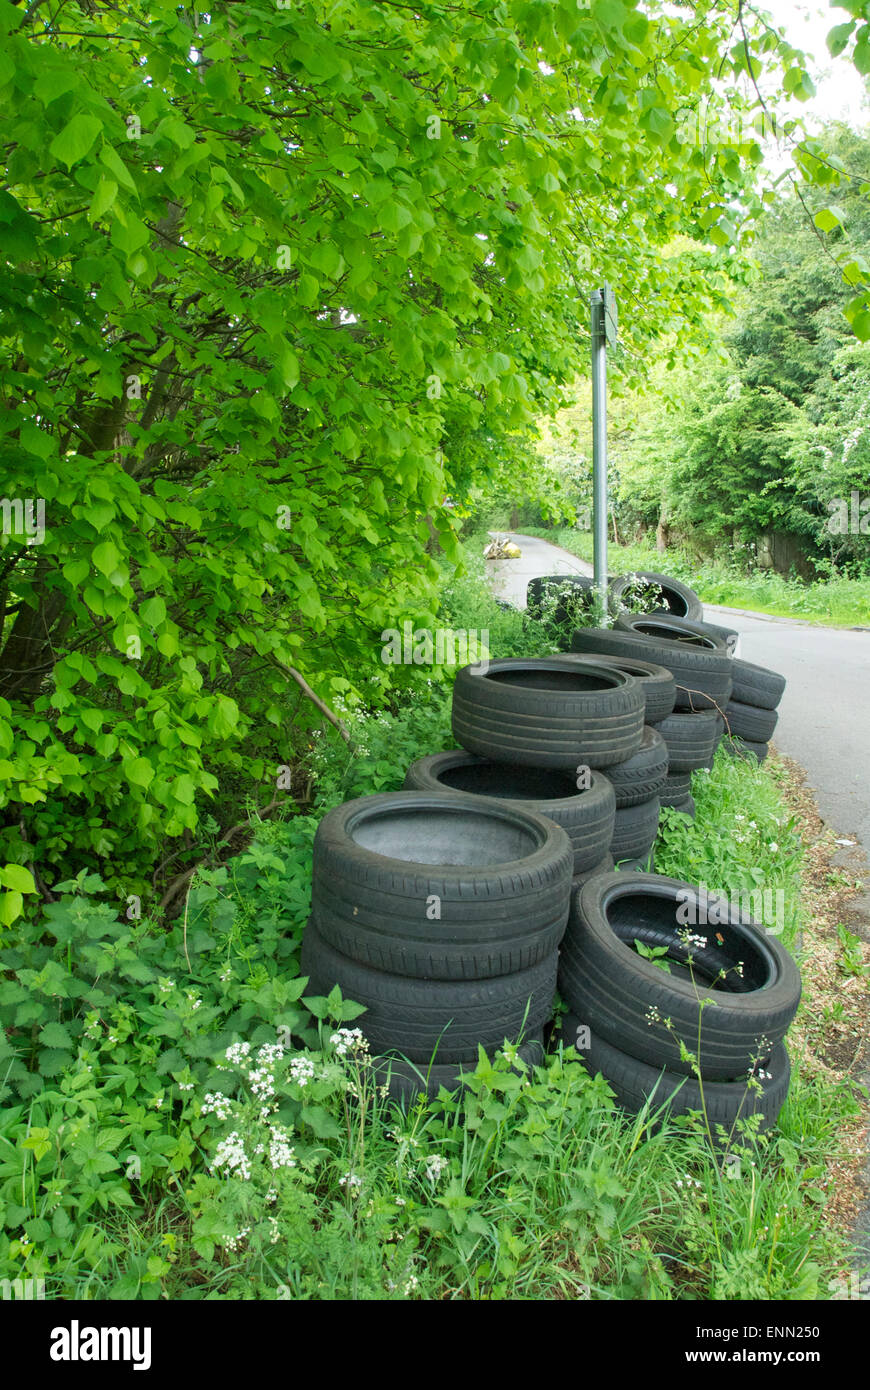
[276,279]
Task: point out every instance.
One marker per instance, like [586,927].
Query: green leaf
[104,197]
[153,611]
[17,877]
[839,37]
[826,219]
[139,772]
[76,139]
[106,557]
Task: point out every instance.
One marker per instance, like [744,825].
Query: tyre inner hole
[689,639]
[518,783]
[431,835]
[568,681]
[657,921]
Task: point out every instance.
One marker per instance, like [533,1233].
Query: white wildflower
[280,1152]
[217,1104]
[231,1155]
[302,1070]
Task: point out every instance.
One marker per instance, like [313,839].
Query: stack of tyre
[676,997]
[441,914]
[639,782]
[701,667]
[588,722]
[751,713]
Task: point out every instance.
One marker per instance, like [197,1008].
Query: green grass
[834,602]
[535,1187]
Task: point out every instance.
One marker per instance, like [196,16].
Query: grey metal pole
[599,446]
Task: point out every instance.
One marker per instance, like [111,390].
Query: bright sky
[842,93]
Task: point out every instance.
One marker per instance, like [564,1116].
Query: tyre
[743,748]
[734,987]
[659,686]
[635,830]
[699,663]
[604,866]
[585,815]
[747,722]
[543,591]
[677,786]
[756,685]
[548,713]
[677,598]
[440,886]
[641,776]
[690,738]
[405,1080]
[724,1102]
[686,806]
[444,1020]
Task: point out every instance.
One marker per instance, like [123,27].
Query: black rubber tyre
[586,816]
[635,830]
[386,866]
[756,685]
[724,1102]
[748,722]
[699,663]
[426,1019]
[686,806]
[677,598]
[405,1080]
[604,866]
[677,786]
[717,739]
[641,776]
[634,1005]
[659,686]
[690,737]
[537,590]
[743,748]
[547,712]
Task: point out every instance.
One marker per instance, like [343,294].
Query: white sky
[842,93]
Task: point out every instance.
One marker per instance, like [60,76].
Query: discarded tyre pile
[580,716]
[699,666]
[441,908]
[441,914]
[717,999]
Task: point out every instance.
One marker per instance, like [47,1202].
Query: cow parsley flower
[231,1155]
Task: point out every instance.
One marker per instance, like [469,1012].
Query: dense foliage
[764,434]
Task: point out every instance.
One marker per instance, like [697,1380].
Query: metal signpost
[604,329]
